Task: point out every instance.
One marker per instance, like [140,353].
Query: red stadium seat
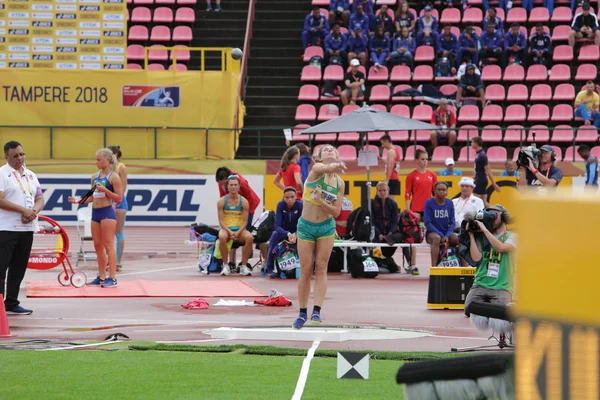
[410,151]
[495,92]
[560,73]
[562,134]
[441,153]
[135,52]
[349,108]
[312,51]
[424,54]
[541,92]
[134,66]
[496,154]
[448,88]
[422,112]
[182,34]
[156,67]
[327,112]
[539,113]
[562,14]
[163,15]
[516,14]
[378,76]
[160,33]
[587,133]
[514,113]
[537,73]
[562,113]
[158,52]
[491,113]
[473,16]
[348,137]
[491,73]
[185,15]
[178,67]
[564,92]
[138,33]
[182,53]
[423,73]
[400,73]
[517,92]
[467,132]
[589,53]
[491,133]
[347,152]
[586,72]
[380,93]
[450,16]
[515,133]
[468,113]
[333,72]
[563,52]
[379,107]
[542,134]
[311,73]
[141,15]
[420,135]
[306,112]
[401,110]
[308,93]
[561,33]
[514,73]
[571,154]
[397,89]
[467,154]
[539,15]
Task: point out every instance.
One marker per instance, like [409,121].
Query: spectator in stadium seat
[462,69]
[450,170]
[339,11]
[468,45]
[587,104]
[427,38]
[528,5]
[585,25]
[591,167]
[403,49]
[447,45]
[546,175]
[492,45]
[379,48]
[405,18]
[427,21]
[316,28]
[493,18]
[515,45]
[392,166]
[385,21]
[440,221]
[419,184]
[540,47]
[290,172]
[336,45]
[360,18]
[355,81]
[470,85]
[510,168]
[357,46]
[444,118]
[368,6]
[217,5]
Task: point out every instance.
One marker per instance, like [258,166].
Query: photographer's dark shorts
[481,187]
[441,138]
[394,185]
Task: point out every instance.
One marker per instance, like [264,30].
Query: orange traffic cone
[4,328]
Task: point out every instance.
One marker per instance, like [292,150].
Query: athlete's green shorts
[311,232]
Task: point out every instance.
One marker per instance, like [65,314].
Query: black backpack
[361,265]
[265,229]
[359,225]
[336,260]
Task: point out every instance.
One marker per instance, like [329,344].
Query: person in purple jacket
[339,11]
[315,27]
[447,44]
[515,45]
[468,45]
[336,45]
[492,45]
[427,21]
[357,46]
[379,48]
[440,221]
[493,18]
[360,18]
[403,49]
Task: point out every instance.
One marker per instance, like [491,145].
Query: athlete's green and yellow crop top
[328,192]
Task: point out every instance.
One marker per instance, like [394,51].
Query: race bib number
[327,196]
[370,265]
[493,270]
[288,262]
[451,261]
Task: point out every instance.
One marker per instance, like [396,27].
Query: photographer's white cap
[449,161]
[466,181]
[355,62]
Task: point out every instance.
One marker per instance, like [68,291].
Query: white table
[344,245]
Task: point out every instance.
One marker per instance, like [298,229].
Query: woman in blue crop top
[106,189]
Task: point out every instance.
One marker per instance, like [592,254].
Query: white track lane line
[157,270]
[80,346]
[304,371]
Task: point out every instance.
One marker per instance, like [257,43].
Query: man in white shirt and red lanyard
[467,202]
[21,200]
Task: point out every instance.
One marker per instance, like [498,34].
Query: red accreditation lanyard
[21,184]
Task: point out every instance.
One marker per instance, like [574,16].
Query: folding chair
[84,231]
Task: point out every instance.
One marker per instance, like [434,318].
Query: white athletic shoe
[245,271]
[225,270]
[204,271]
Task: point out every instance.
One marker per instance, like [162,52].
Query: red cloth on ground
[279,301]
[198,304]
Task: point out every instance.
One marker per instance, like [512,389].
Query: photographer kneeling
[536,167]
[490,249]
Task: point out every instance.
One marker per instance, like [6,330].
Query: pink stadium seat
[538,113]
[185,15]
[135,52]
[325,138]
[311,73]
[562,134]
[375,136]
[182,34]
[441,153]
[541,92]
[399,136]
[434,13]
[499,12]
[467,132]
[400,73]
[589,53]
[160,33]
[349,108]
[495,92]
[586,72]
[141,15]
[158,52]
[312,51]
[182,53]
[496,154]
[361,69]
[450,16]
[424,54]
[178,67]
[537,73]
[467,153]
[562,113]
[533,29]
[165,2]
[517,92]
[379,107]
[320,3]
[514,113]
[296,132]
[542,134]
[579,10]
[156,67]
[455,30]
[516,14]
[562,53]
[397,89]
[491,133]
[138,33]
[539,14]
[143,2]
[134,66]
[328,112]
[378,76]
[422,112]
[586,134]
[468,113]
[423,73]
[491,73]
[571,154]
[558,152]
[401,110]
[491,113]
[420,135]
[332,99]
[595,151]
[333,72]
[562,15]
[347,152]
[380,93]
[370,147]
[163,15]
[515,133]
[410,151]
[514,73]
[449,88]
[186,2]
[564,92]
[472,15]
[306,112]
[308,93]
[561,33]
[348,137]
[397,149]
[560,73]
[384,2]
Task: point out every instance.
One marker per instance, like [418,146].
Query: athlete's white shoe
[225,270]
[245,271]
